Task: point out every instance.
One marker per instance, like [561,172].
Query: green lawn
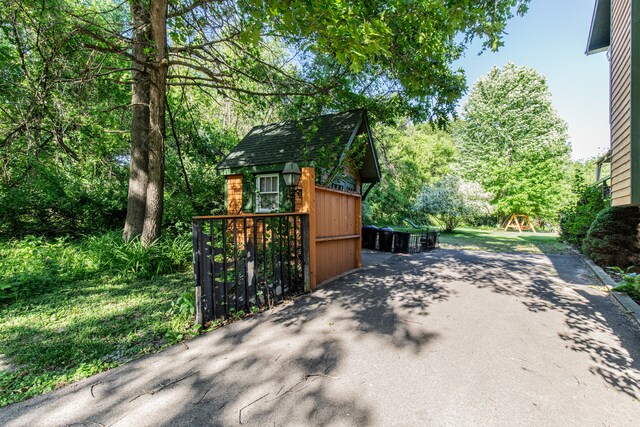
[503,241]
[69,310]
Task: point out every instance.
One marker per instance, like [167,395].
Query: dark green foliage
[410,157]
[72,308]
[576,221]
[629,282]
[192,185]
[73,201]
[82,327]
[66,91]
[34,265]
[612,239]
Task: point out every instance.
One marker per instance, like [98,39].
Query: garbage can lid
[386,229]
[372,227]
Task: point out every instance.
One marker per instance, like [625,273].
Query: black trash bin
[385,239]
[369,236]
[401,242]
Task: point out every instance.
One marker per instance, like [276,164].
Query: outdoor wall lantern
[291,174]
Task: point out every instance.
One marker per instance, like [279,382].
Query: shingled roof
[301,141]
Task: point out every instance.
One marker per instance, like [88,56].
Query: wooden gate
[334,229]
[338,232]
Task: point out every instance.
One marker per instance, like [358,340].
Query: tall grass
[34,264]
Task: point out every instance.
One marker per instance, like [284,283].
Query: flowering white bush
[453,200]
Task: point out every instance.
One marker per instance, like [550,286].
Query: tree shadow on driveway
[563,284]
[292,365]
[310,361]
[296,375]
[384,300]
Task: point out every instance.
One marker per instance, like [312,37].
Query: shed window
[267,193]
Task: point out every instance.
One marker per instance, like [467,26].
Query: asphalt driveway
[443,338]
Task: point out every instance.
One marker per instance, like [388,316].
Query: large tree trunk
[140,92]
[157,107]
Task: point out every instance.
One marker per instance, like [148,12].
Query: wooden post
[358,231]
[308,184]
[531,225]
[515,217]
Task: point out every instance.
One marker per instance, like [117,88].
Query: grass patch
[503,241]
[71,309]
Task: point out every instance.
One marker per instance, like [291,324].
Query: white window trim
[276,192]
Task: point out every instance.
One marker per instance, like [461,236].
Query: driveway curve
[443,338]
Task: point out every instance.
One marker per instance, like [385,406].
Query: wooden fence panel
[338,234]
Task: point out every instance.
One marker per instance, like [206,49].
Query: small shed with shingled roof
[338,146]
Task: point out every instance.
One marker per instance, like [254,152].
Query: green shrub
[629,282]
[35,264]
[52,201]
[612,239]
[575,222]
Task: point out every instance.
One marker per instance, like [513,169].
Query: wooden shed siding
[234,194]
[620,114]
[336,213]
[334,258]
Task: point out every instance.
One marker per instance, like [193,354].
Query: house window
[267,193]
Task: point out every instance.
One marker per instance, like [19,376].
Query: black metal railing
[387,240]
[243,263]
[423,241]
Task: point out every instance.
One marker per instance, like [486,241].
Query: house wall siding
[620,113]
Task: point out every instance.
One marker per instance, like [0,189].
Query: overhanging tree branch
[188,8]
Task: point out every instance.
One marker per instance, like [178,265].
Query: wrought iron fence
[243,263]
[423,241]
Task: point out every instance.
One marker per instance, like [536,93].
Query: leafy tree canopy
[68,68]
[411,156]
[513,142]
[392,49]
